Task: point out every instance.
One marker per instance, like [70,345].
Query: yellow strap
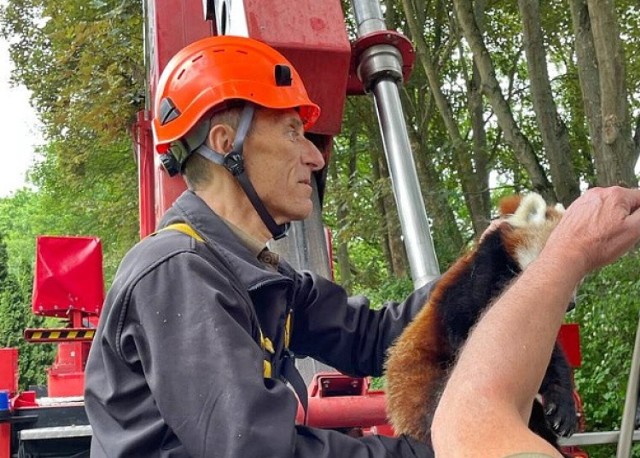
[266,344]
[287,330]
[185,229]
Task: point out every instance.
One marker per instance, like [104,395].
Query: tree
[614,156]
[342,211]
[472,168]
[16,316]
[491,88]
[83,63]
[555,136]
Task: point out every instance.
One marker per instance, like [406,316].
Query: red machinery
[68,285]
[312,35]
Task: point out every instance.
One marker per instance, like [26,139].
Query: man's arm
[486,404]
[345,332]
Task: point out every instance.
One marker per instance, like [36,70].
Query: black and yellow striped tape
[59,335]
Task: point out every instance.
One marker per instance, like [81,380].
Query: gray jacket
[176,367]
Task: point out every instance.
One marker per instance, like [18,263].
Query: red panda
[419,361]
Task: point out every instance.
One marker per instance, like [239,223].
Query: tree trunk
[479,140]
[636,140]
[397,250]
[587,65]
[446,234]
[444,228]
[385,236]
[513,135]
[616,162]
[342,212]
[555,135]
[473,184]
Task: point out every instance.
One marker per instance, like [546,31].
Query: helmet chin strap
[233,161]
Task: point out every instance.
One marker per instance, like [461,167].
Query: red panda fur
[509,205]
[420,359]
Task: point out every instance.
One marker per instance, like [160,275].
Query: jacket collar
[191,209]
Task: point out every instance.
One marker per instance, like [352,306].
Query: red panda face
[532,221]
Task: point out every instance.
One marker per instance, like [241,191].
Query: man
[485,406]
[195,337]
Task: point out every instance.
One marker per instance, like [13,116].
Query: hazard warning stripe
[59,335]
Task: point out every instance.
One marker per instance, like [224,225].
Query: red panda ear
[508,205]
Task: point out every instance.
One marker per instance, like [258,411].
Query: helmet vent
[168,111]
[283,75]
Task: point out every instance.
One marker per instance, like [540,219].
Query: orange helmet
[213,71]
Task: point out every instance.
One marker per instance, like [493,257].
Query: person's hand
[598,228]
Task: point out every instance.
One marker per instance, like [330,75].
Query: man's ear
[221,137]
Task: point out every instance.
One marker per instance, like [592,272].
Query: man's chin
[298,215]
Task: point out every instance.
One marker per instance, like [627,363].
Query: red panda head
[531,221]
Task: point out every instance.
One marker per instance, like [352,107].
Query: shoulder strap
[291,374]
[184,228]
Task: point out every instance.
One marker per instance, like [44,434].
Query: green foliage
[391,289]
[83,62]
[20,218]
[101,202]
[608,311]
[16,316]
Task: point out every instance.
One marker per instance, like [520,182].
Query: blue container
[4,401]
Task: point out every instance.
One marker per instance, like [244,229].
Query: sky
[18,127]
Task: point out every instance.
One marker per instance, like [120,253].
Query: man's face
[279,160]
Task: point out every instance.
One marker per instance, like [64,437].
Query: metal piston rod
[380,69]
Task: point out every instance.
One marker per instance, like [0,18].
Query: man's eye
[293,135]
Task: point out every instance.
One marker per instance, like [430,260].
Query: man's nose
[312,156]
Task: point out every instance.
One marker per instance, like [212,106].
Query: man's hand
[598,228]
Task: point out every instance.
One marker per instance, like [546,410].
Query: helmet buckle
[234,163]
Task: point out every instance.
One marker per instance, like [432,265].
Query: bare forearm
[533,309]
[486,403]
[506,371]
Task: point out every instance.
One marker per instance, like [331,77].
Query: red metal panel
[66,376]
[171,25]
[340,401]
[68,276]
[5,440]
[145,158]
[9,369]
[167,189]
[569,340]
[313,36]
[362,411]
